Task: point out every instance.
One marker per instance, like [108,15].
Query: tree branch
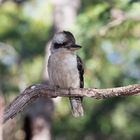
[35,91]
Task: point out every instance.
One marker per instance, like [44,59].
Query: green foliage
[109,32]
[28,38]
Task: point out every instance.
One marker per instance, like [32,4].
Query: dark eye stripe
[58,45]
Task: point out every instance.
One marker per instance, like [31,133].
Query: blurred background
[109,32]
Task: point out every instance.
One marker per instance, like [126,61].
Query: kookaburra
[65,68]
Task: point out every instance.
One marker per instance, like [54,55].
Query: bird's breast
[63,70]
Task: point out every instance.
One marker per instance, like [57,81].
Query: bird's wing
[81,71]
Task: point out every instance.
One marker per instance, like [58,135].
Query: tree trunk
[37,122]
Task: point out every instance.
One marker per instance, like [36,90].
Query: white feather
[59,38]
[63,70]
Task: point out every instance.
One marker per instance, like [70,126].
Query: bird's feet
[55,89]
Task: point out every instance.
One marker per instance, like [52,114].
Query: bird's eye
[59,45]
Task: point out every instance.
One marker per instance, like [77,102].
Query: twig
[35,91]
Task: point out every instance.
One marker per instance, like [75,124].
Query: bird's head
[64,40]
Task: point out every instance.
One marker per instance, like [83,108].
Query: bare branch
[120,17]
[35,91]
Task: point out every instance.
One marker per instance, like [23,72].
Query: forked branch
[35,91]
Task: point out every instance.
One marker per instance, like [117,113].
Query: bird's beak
[75,47]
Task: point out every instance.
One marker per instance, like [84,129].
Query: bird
[65,68]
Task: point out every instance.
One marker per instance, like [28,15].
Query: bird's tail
[76,106]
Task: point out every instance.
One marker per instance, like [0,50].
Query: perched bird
[65,68]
